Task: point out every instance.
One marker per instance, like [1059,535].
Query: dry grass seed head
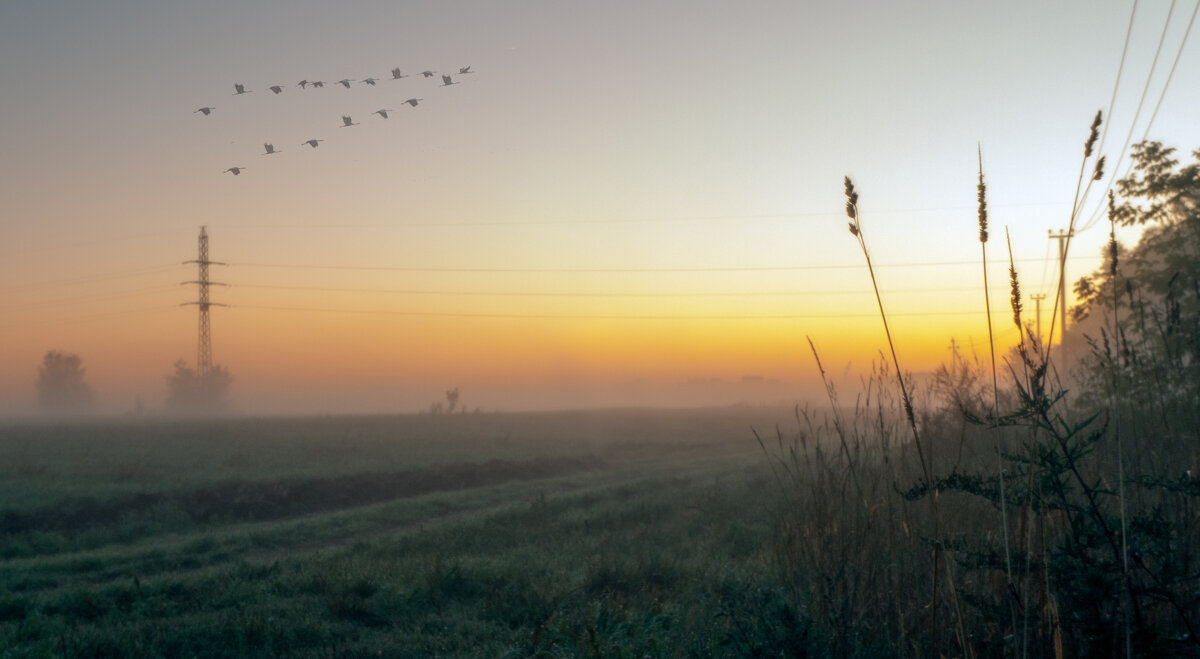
[851,204]
[1112,235]
[1093,135]
[982,196]
[1014,284]
[1098,173]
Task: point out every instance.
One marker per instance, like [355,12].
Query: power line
[447,314]
[624,294]
[633,220]
[770,268]
[25,323]
[1045,267]
[1097,213]
[43,304]
[1112,101]
[1094,217]
[1171,74]
[103,276]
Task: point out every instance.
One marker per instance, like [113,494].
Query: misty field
[478,535]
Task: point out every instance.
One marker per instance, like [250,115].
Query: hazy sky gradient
[616,135]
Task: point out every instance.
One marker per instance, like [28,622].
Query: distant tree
[60,383]
[190,392]
[451,400]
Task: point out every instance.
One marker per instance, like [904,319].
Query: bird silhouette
[396,75]
[347,122]
[370,81]
[413,101]
[204,110]
[239,88]
[302,84]
[382,113]
[312,143]
[344,82]
[446,81]
[318,84]
[234,170]
[466,69]
[269,149]
[276,88]
[427,74]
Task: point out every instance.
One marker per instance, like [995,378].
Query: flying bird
[382,113]
[413,101]
[318,84]
[446,81]
[204,110]
[312,143]
[302,84]
[427,74]
[466,69]
[344,82]
[239,88]
[370,81]
[270,149]
[347,122]
[396,75]
[234,170]
[276,88]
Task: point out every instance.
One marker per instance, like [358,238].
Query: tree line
[62,387]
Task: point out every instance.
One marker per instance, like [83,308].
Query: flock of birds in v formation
[269,148]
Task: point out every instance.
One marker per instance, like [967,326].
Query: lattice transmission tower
[204,345]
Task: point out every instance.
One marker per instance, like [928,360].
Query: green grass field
[560,534]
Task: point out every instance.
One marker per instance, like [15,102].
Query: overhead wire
[1045,268]
[497,270]
[1093,218]
[103,276]
[633,220]
[606,294]
[535,316]
[1112,101]
[1097,214]
[45,304]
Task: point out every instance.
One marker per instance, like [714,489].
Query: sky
[624,203]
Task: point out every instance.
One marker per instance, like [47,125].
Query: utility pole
[1037,298]
[1061,237]
[204,347]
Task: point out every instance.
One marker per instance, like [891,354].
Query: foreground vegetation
[1040,504]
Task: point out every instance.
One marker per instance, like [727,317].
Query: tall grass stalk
[856,231]
[1115,405]
[981,190]
[838,427]
[1014,286]
[1076,203]
[987,298]
[926,467]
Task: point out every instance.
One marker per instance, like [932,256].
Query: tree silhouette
[60,384]
[191,393]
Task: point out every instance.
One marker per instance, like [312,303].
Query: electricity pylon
[204,347]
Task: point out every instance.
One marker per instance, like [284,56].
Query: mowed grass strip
[659,558]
